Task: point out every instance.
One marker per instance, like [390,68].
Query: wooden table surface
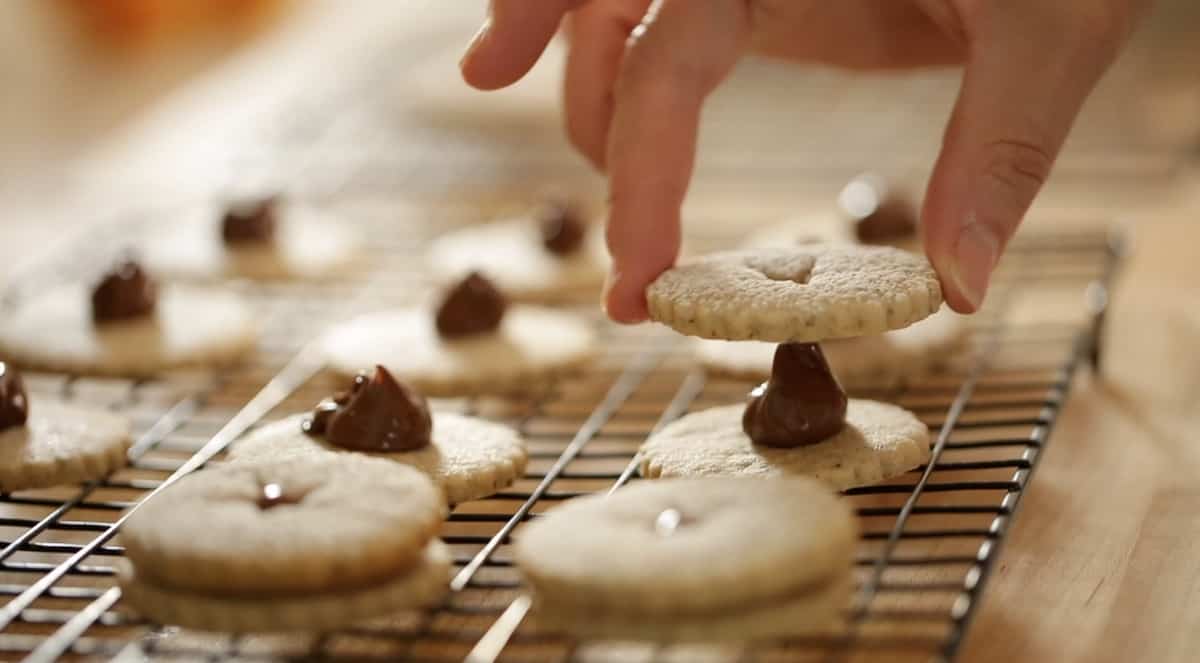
[1103,563]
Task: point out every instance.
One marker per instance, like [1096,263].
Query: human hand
[638,73]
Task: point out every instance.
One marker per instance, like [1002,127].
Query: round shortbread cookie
[878,442]
[795,294]
[468,457]
[308,244]
[705,548]
[336,523]
[531,346]
[869,362]
[815,611]
[422,585]
[510,254]
[190,327]
[61,444]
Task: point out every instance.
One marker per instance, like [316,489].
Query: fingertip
[956,300]
[625,300]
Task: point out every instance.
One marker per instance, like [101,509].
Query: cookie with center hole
[803,293]
[692,560]
[306,543]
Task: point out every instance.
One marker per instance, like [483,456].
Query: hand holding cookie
[636,81]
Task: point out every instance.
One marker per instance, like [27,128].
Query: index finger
[675,58]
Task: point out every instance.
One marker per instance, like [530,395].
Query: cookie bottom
[424,585]
[469,458]
[879,442]
[192,328]
[62,444]
[815,611]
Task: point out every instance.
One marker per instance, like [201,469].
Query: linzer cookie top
[377,414]
[250,222]
[801,404]
[473,306]
[125,292]
[14,402]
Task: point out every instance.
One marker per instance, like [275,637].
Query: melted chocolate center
[377,414]
[801,404]
[250,222]
[562,230]
[14,402]
[125,292]
[474,306]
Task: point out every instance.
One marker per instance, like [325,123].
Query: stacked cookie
[301,544]
[799,421]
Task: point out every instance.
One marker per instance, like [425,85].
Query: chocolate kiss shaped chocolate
[472,307]
[250,222]
[801,404]
[562,231]
[14,403]
[125,292]
[879,215]
[379,414]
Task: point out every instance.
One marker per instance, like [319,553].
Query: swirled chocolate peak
[473,306]
[379,413]
[14,403]
[879,215]
[562,230]
[801,404]
[125,292]
[250,221]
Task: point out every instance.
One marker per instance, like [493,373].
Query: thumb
[1027,75]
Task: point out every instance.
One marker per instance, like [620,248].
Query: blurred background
[115,106]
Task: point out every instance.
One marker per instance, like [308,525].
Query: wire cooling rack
[930,538]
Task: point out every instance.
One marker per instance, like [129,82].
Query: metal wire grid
[930,539]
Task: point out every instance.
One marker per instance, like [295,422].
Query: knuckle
[1102,25]
[1019,167]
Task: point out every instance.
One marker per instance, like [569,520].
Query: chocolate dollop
[250,222]
[125,292]
[801,404]
[563,231]
[379,413]
[879,215]
[473,306]
[14,403]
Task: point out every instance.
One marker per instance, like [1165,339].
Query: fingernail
[475,42]
[975,256]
